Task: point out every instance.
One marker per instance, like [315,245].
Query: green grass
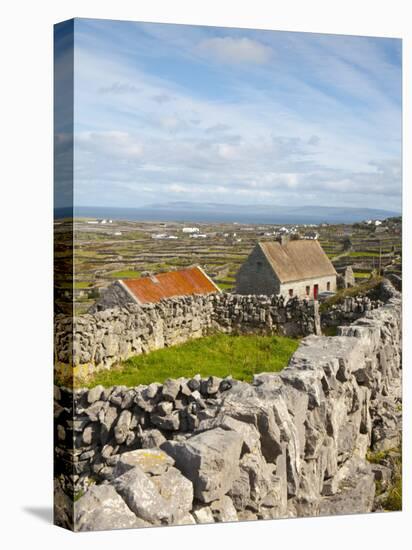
[126,274]
[75,284]
[81,284]
[376,457]
[131,235]
[393,500]
[224,286]
[364,254]
[219,355]
[362,274]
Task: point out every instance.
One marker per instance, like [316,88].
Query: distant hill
[213,212]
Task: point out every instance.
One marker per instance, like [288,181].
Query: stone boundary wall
[197,451]
[98,340]
[352,308]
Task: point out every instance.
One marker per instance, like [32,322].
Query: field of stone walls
[206,450]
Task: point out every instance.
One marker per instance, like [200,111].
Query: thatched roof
[297,260]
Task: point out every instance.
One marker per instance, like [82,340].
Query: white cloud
[217,128]
[119,88]
[236,50]
[111,144]
[172,123]
[226,151]
[283,139]
[161,98]
[176,188]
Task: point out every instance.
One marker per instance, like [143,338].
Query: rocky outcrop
[196,451]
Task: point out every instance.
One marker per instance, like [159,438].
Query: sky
[166,113]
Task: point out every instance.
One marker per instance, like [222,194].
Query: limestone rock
[252,405]
[102,508]
[176,489]
[212,385]
[142,497]
[95,394]
[253,484]
[248,432]
[355,492]
[151,439]
[151,461]
[121,429]
[382,474]
[187,519]
[223,510]
[169,422]
[170,389]
[90,434]
[203,514]
[210,460]
[63,507]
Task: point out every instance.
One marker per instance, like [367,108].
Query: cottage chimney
[284,239]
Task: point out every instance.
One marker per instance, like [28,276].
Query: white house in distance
[288,268]
[190,230]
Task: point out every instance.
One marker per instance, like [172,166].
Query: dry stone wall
[98,340]
[352,308]
[204,450]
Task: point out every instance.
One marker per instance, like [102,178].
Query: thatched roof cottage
[287,267]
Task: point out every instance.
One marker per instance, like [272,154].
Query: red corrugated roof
[167,285]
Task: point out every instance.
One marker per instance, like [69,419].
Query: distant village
[302,231]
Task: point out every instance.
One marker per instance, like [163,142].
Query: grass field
[225,286]
[75,284]
[362,274]
[126,274]
[219,355]
[364,254]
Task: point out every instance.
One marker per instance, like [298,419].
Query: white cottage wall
[299,287]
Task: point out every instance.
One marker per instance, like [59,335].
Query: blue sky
[166,113]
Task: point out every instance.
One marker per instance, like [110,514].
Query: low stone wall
[352,308]
[195,451]
[94,341]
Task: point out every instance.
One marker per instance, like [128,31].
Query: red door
[315,291]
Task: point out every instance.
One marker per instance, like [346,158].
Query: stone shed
[346,277]
[287,267]
[155,288]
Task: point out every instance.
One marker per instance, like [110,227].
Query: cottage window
[307,290]
[258,265]
[291,292]
[328,285]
